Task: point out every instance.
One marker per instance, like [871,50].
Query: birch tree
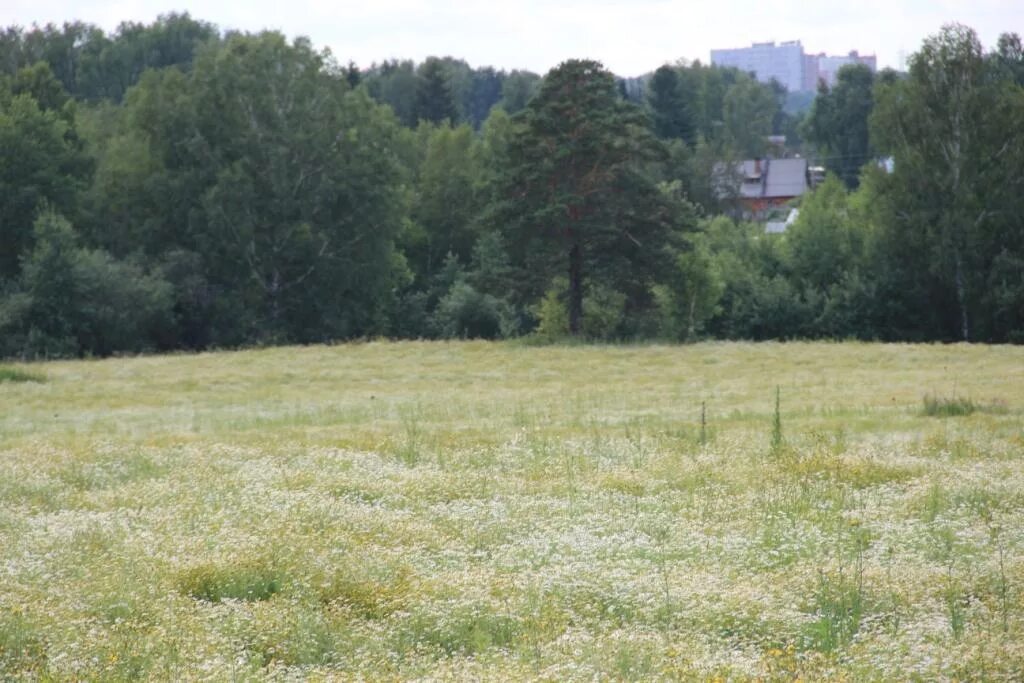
[956,132]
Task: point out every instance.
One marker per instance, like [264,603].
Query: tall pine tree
[577,200]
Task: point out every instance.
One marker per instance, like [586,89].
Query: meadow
[480,511]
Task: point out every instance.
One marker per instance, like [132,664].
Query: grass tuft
[370,595]
[860,473]
[948,406]
[248,582]
[22,650]
[777,440]
[467,631]
[838,611]
[16,375]
[958,406]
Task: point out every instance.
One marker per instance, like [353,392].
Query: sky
[629,37]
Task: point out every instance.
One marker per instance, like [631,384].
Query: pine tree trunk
[691,323]
[575,290]
[961,295]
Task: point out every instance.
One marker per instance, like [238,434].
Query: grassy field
[495,512]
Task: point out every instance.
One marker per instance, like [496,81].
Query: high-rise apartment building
[783,62]
[788,64]
[828,66]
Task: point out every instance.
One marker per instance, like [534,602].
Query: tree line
[172,186]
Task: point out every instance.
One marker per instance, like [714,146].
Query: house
[761,185]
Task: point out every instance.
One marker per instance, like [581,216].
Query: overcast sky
[630,37]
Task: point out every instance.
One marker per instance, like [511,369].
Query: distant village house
[761,186]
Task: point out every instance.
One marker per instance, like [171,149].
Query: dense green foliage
[92,66]
[953,207]
[576,201]
[838,122]
[168,186]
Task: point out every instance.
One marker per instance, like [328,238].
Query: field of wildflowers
[478,511]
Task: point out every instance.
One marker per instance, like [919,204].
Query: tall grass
[947,406]
[10,374]
[957,406]
[777,440]
[476,511]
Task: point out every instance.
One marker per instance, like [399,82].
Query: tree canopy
[577,188]
[174,186]
[838,123]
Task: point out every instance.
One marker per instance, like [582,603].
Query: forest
[176,186]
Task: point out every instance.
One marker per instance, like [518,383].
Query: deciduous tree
[838,122]
[42,165]
[955,127]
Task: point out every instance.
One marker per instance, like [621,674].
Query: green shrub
[465,313]
[71,300]
[603,313]
[604,310]
[552,317]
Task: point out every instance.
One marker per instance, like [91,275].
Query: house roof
[763,178]
[752,178]
[786,178]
